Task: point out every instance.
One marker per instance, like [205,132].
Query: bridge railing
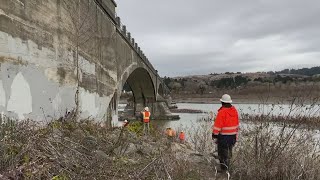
[122,30]
[131,41]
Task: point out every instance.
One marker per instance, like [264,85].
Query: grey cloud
[183,37]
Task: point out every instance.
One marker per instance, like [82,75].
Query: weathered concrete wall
[111,5]
[40,41]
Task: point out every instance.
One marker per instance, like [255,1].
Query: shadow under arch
[142,87]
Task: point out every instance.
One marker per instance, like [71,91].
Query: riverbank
[215,99]
[84,149]
[210,101]
[192,111]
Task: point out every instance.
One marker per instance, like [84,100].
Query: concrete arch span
[142,88]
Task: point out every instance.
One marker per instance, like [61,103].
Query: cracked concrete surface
[38,64]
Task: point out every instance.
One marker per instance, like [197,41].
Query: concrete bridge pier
[159,110]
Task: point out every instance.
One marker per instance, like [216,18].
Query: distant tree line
[285,79]
[230,82]
[201,86]
[304,71]
[175,84]
[236,80]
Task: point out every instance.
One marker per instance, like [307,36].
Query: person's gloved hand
[214,136]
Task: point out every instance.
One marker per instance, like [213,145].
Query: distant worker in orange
[171,134]
[225,131]
[182,137]
[146,120]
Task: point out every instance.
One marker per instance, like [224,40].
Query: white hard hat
[146,109]
[125,121]
[226,98]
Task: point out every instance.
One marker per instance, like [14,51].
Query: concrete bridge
[58,55]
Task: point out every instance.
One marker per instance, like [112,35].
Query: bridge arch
[142,86]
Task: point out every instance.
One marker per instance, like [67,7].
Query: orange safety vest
[182,136]
[227,121]
[146,116]
[170,132]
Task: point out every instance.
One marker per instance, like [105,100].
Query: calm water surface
[188,120]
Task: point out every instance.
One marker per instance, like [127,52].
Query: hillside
[247,87]
[303,71]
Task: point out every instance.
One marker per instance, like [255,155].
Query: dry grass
[271,146]
[281,152]
[66,149]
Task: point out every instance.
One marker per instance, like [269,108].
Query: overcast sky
[186,37]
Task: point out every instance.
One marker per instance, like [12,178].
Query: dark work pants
[146,128]
[225,145]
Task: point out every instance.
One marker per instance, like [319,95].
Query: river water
[188,120]
[191,123]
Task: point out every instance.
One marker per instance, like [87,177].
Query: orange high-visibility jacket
[182,136]
[146,116]
[170,132]
[227,121]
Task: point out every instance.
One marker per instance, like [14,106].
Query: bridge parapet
[122,29]
[109,7]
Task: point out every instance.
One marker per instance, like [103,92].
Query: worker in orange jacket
[225,131]
[146,120]
[182,137]
[171,134]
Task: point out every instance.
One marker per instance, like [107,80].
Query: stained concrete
[40,41]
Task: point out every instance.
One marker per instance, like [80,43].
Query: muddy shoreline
[240,101]
[193,111]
